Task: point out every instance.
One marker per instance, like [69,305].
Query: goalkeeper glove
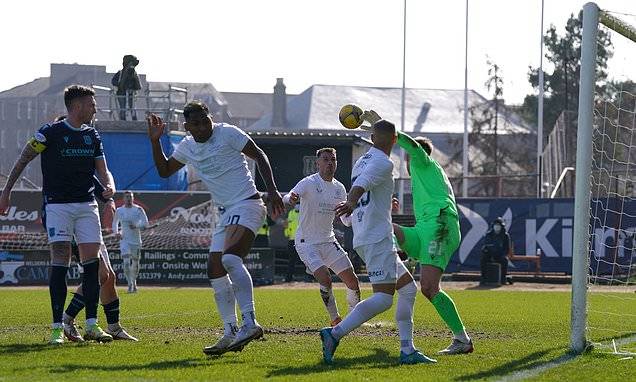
[371,117]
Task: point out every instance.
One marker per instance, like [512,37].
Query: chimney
[279,108]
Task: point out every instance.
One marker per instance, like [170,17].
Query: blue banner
[546,225]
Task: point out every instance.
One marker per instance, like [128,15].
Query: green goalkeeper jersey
[430,186]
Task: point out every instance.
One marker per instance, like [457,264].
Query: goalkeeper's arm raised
[414,149]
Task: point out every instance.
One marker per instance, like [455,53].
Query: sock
[134,269]
[126,263]
[353,298]
[363,312]
[90,287]
[404,316]
[225,303]
[111,310]
[330,302]
[243,288]
[448,312]
[57,291]
[74,307]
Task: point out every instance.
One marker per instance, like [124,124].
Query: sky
[244,45]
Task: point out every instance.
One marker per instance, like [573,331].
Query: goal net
[604,256]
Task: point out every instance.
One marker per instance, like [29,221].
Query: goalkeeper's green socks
[446,309]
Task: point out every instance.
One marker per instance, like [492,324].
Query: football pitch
[518,334]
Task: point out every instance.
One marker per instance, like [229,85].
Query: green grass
[512,331]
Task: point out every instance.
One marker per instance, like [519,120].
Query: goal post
[580,233]
[605,160]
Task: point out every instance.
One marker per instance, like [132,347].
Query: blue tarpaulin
[129,157]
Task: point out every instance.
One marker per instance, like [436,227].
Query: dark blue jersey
[68,161]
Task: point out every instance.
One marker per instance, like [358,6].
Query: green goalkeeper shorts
[433,241]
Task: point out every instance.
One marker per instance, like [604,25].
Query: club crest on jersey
[88,140]
[39,137]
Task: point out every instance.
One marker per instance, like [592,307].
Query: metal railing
[164,102]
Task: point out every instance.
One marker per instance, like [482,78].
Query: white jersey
[371,218]
[132,219]
[220,163]
[318,199]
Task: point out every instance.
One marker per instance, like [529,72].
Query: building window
[2,110]
[29,109]
[3,134]
[18,112]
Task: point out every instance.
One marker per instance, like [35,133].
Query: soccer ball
[350,116]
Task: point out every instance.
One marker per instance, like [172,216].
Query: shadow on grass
[27,348]
[379,359]
[157,365]
[528,362]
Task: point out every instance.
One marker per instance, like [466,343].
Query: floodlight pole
[402,154]
[465,142]
[540,116]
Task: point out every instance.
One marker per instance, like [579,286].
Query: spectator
[127,82]
[496,248]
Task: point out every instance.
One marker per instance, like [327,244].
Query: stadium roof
[426,110]
[250,105]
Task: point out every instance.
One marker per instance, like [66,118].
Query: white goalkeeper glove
[369,116]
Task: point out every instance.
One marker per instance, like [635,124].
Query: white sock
[404,316]
[243,287]
[135,269]
[353,298]
[330,302]
[462,337]
[127,273]
[363,312]
[225,303]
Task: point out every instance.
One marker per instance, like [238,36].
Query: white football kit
[315,240]
[371,218]
[132,220]
[221,165]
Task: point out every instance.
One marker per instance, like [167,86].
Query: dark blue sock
[75,306]
[90,287]
[111,310]
[57,290]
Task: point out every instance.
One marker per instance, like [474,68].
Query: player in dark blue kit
[71,153]
[107,280]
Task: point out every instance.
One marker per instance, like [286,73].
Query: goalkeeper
[436,235]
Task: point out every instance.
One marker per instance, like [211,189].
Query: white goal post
[582,230]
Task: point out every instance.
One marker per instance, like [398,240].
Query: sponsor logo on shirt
[76,152]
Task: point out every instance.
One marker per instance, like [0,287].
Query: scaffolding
[164,102]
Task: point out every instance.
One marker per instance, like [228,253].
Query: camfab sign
[545,225]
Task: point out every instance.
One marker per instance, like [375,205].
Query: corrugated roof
[426,110]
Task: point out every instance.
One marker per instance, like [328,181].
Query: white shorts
[67,219]
[382,261]
[128,249]
[249,213]
[103,254]
[330,255]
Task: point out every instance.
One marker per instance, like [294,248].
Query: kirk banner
[544,226]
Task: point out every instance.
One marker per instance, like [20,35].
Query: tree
[561,87]
[498,150]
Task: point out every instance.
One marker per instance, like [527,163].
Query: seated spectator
[496,248]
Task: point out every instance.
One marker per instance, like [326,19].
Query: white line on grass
[534,371]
